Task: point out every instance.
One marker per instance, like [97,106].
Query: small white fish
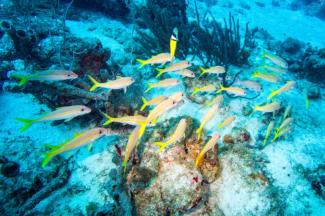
[185,73]
[162,84]
[119,83]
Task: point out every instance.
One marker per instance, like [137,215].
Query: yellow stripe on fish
[77,141]
[175,137]
[62,113]
[210,144]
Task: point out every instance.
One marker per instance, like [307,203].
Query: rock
[247,109]
[18,64]
[314,66]
[313,92]
[7,47]
[139,178]
[317,180]
[291,45]
[10,169]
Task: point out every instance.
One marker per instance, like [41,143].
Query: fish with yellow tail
[212,70]
[226,122]
[280,133]
[268,131]
[161,58]
[49,75]
[185,73]
[207,88]
[132,143]
[208,116]
[77,141]
[174,67]
[210,144]
[289,85]
[119,83]
[177,136]
[284,124]
[151,102]
[232,90]
[166,83]
[217,100]
[173,42]
[271,107]
[160,109]
[276,60]
[274,69]
[62,113]
[128,120]
[266,77]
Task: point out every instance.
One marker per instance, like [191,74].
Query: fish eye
[82,109]
[174,102]
[100,132]
[69,75]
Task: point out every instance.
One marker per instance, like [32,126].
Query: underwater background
[153,107]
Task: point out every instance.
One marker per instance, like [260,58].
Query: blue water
[233,124]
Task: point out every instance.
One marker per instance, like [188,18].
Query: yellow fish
[132,143]
[119,83]
[266,77]
[268,132]
[284,124]
[227,122]
[217,100]
[289,85]
[161,58]
[268,107]
[173,42]
[185,73]
[232,90]
[206,148]
[208,116]
[160,109]
[177,136]
[174,67]
[153,101]
[62,113]
[212,70]
[77,141]
[49,75]
[162,84]
[207,88]
[276,60]
[129,120]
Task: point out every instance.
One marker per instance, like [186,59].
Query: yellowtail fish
[275,69]
[174,67]
[162,84]
[129,120]
[77,141]
[62,113]
[161,58]
[212,70]
[287,112]
[160,109]
[185,73]
[232,90]
[280,133]
[266,77]
[226,122]
[217,100]
[177,136]
[173,42]
[151,102]
[132,143]
[49,75]
[210,144]
[268,131]
[284,124]
[250,84]
[276,60]
[119,83]
[289,85]
[208,116]
[268,107]
[207,88]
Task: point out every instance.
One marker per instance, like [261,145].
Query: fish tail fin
[26,123]
[23,79]
[273,93]
[109,120]
[145,103]
[198,132]
[142,63]
[203,71]
[160,72]
[95,83]
[150,86]
[219,125]
[196,90]
[161,145]
[198,160]
[143,126]
[221,88]
[47,157]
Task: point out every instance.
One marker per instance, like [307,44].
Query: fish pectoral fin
[125,90]
[90,147]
